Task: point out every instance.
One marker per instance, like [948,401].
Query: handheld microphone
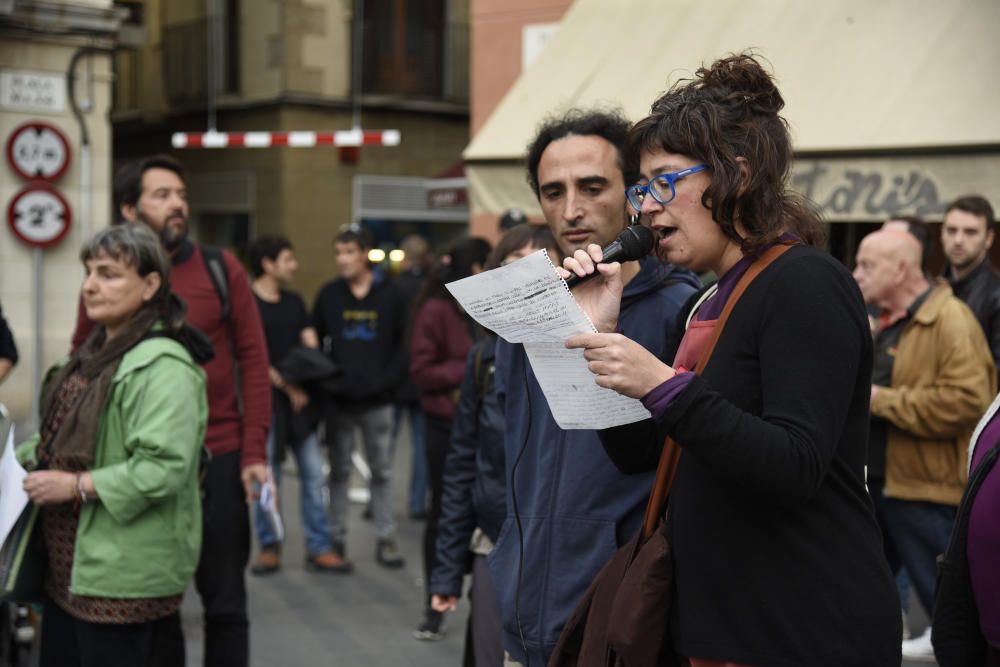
[633,243]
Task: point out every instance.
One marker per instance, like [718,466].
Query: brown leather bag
[623,618]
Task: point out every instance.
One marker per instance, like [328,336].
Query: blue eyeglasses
[661,187]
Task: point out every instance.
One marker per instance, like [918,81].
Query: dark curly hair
[128,178]
[611,126]
[728,111]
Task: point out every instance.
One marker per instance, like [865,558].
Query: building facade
[55,86]
[300,65]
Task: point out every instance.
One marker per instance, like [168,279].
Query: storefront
[892,105]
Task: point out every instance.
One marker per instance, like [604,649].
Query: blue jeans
[417,503]
[309,460]
[919,532]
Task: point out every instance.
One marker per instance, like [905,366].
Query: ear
[989,239]
[152,286]
[744,174]
[129,212]
[267,264]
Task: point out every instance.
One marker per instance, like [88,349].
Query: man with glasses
[573,507]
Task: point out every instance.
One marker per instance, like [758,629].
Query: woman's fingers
[587,341]
[582,262]
[620,363]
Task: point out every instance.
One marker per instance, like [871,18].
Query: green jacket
[142,538]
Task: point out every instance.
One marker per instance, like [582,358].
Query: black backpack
[955,632]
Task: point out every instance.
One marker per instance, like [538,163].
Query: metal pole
[211,8]
[36,371]
[357,62]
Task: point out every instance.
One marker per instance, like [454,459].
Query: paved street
[300,618]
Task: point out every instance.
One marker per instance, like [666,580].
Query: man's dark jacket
[980,290]
[474,474]
[574,507]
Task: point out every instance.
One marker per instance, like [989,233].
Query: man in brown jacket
[932,379]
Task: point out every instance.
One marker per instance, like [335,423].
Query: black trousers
[225,552]
[437,444]
[68,642]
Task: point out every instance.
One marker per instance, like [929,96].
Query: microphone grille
[636,241]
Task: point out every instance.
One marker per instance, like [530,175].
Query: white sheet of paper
[13,499]
[526,302]
[269,505]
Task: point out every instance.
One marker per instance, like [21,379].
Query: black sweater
[365,338]
[778,559]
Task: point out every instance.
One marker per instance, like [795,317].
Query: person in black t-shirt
[293,424]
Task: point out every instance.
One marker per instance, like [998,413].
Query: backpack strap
[215,263]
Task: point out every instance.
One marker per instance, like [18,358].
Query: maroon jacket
[438,347]
[228,429]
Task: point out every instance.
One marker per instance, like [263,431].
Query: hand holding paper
[526,302]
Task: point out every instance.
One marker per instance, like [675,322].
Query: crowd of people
[826,423]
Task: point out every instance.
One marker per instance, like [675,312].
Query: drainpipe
[86,166]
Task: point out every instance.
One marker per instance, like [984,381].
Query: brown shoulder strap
[671,454]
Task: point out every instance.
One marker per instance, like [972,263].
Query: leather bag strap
[670,456]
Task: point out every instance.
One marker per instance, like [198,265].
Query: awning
[893,76]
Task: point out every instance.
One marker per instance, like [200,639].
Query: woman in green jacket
[115,463]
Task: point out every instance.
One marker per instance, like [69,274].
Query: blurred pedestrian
[932,378]
[967,235]
[8,349]
[474,486]
[511,218]
[442,336]
[360,319]
[413,271]
[152,190]
[295,414]
[115,463]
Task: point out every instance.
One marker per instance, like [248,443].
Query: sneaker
[920,648]
[387,554]
[329,561]
[268,561]
[432,629]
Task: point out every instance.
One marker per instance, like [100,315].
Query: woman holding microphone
[777,556]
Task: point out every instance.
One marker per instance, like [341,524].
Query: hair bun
[740,79]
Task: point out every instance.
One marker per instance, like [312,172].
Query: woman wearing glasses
[777,556]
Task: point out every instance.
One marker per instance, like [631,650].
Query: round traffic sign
[38,150]
[39,215]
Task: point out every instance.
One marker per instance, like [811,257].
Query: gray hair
[133,244]
[136,245]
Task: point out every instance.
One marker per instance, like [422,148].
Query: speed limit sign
[38,150]
[39,215]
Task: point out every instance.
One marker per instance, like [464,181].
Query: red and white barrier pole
[355,137]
